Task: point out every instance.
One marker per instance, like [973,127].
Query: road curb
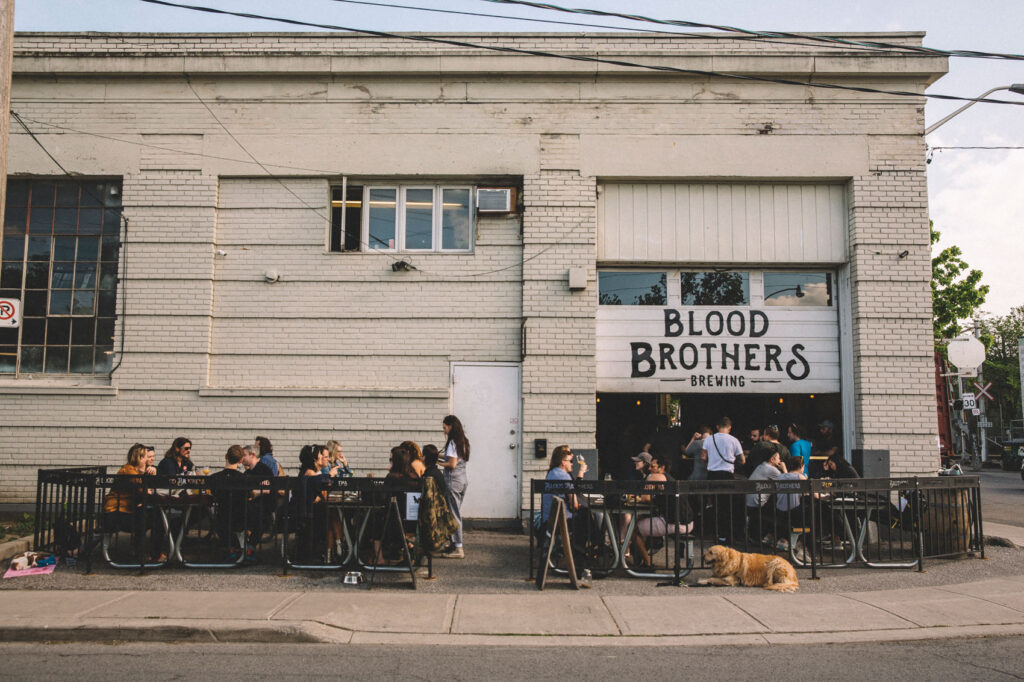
[14,547]
[249,632]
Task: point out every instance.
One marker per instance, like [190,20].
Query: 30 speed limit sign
[970,402]
[10,312]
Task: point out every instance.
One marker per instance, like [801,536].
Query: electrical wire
[266,170]
[766,34]
[632,29]
[1007,147]
[578,58]
[122,248]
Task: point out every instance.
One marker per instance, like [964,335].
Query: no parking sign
[10,312]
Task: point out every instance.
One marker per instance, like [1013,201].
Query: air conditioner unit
[495,199]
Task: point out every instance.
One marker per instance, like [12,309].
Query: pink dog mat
[39,570]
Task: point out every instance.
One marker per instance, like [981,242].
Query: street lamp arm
[1017,88]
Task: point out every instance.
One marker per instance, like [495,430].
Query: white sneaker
[454,553]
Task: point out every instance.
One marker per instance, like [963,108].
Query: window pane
[798,288]
[40,221]
[8,336]
[353,218]
[15,220]
[17,193]
[715,288]
[419,218]
[103,359]
[31,359]
[67,194]
[112,222]
[35,303]
[105,332]
[14,248]
[63,275]
[456,229]
[382,218]
[10,277]
[58,331]
[8,359]
[56,359]
[631,288]
[84,303]
[108,276]
[85,275]
[92,195]
[42,193]
[111,194]
[109,249]
[60,302]
[106,304]
[89,221]
[83,331]
[81,359]
[63,248]
[32,330]
[37,276]
[39,248]
[65,220]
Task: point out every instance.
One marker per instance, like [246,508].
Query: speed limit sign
[970,403]
[10,312]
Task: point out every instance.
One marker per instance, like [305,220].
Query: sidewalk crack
[748,614]
[984,599]
[124,596]
[291,599]
[884,610]
[611,613]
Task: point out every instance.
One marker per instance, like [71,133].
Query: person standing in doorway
[723,453]
[453,462]
[799,446]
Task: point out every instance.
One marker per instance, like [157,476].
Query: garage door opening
[625,421]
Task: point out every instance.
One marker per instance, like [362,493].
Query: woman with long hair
[453,462]
[312,502]
[416,455]
[337,460]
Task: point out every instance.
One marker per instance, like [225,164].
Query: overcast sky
[976,195]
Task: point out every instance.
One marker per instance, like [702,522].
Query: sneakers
[453,553]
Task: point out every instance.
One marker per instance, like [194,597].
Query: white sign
[707,349]
[412,506]
[970,402]
[966,353]
[984,424]
[975,411]
[10,312]
[983,390]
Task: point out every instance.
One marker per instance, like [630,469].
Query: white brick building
[245,306]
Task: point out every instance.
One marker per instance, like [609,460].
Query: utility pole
[6,66]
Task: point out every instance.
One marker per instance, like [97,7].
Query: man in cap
[824,443]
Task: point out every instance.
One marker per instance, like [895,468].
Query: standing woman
[453,463]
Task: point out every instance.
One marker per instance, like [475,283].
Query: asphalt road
[983,658]
[1002,497]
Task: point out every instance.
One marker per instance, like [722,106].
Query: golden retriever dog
[730,567]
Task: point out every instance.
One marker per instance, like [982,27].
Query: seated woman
[671,514]
[336,460]
[123,504]
[401,478]
[416,457]
[310,503]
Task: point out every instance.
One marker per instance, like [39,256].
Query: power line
[655,31]
[578,58]
[1007,147]
[764,34]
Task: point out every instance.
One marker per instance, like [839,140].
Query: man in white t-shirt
[722,452]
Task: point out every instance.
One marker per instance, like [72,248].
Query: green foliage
[957,291]
[1000,335]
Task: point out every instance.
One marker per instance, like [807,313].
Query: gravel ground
[497,562]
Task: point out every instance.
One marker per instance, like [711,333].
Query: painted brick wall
[341,346]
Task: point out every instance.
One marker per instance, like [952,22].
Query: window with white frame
[401,218]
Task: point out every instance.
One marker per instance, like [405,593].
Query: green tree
[957,290]
[1000,336]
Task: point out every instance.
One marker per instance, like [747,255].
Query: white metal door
[486,398]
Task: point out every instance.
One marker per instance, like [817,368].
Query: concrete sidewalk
[558,616]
